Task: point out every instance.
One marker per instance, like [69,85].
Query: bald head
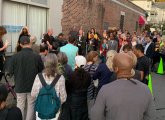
[123,65]
[50,31]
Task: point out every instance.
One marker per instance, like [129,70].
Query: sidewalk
[159,95]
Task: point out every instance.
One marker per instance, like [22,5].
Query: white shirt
[145,50]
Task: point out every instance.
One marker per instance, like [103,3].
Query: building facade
[38,15]
[154,8]
[158,15]
[101,14]
[146,5]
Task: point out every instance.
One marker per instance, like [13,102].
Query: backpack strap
[55,80]
[42,80]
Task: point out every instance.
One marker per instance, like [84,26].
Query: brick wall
[95,13]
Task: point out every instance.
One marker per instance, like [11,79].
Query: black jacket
[25,65]
[75,107]
[150,50]
[48,38]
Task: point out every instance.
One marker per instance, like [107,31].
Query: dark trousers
[1,66]
[75,107]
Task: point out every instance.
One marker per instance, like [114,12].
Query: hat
[3,92]
[80,61]
[24,40]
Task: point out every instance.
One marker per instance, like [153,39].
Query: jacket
[150,50]
[25,65]
[112,45]
[119,100]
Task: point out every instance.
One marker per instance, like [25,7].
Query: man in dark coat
[25,65]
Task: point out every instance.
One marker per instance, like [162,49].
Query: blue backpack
[47,102]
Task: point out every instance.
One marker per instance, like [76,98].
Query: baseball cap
[25,40]
[3,92]
[80,61]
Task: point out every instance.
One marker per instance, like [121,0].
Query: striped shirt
[91,69]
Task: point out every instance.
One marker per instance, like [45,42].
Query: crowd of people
[93,76]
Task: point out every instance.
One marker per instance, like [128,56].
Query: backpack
[47,102]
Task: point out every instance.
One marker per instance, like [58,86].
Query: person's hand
[47,42]
[6,44]
[50,47]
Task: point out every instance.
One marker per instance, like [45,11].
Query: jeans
[24,99]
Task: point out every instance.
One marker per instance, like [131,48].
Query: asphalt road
[159,95]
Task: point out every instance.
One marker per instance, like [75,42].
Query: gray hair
[62,58]
[50,64]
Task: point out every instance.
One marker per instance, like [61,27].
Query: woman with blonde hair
[110,55]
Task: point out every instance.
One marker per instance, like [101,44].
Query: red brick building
[100,14]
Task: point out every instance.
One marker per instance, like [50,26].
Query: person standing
[34,46]
[93,40]
[63,66]
[60,39]
[75,107]
[150,47]
[49,73]
[143,62]
[48,38]
[110,56]
[71,51]
[90,67]
[25,65]
[112,43]
[2,49]
[119,100]
[73,32]
[149,50]
[103,50]
[24,32]
[81,43]
[43,51]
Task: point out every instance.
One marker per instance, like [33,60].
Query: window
[16,15]
[122,22]
[136,27]
[106,25]
[37,21]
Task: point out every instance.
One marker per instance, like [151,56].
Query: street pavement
[158,93]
